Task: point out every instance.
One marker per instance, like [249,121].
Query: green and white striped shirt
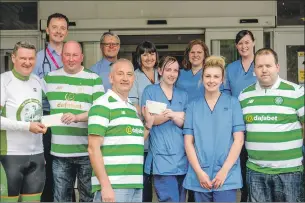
[123,146]
[71,93]
[273,120]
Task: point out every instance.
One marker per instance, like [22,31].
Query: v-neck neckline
[195,73]
[169,100]
[242,66]
[212,111]
[152,82]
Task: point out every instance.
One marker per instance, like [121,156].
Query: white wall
[156,9]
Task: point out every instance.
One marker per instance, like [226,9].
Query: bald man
[71,91]
[116,140]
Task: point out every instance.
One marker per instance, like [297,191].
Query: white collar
[117,97]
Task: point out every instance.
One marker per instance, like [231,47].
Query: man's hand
[68,118]
[36,128]
[107,194]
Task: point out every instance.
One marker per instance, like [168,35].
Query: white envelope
[52,120]
[155,107]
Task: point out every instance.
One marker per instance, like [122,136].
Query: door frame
[225,33]
[284,36]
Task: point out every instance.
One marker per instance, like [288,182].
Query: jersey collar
[117,97]
[19,76]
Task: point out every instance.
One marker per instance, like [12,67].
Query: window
[290,12]
[18,16]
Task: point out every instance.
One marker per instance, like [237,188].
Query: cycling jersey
[20,104]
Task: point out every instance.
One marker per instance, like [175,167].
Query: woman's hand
[220,178]
[204,180]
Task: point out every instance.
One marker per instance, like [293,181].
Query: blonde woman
[213,137]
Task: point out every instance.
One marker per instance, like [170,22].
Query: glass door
[222,42]
[289,45]
[6,63]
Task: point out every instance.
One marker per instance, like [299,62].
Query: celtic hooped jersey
[273,123]
[71,93]
[123,147]
[20,104]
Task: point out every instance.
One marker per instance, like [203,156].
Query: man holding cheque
[71,91]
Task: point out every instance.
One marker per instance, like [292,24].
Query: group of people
[224,128]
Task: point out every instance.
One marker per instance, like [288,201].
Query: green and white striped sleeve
[300,103]
[98,120]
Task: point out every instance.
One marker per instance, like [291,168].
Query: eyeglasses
[110,44]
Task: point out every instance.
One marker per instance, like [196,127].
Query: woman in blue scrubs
[166,158]
[145,63]
[190,76]
[239,75]
[213,136]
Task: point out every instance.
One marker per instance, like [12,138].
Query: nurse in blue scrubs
[166,158]
[239,75]
[190,76]
[213,137]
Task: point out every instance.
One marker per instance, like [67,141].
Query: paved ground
[155,196]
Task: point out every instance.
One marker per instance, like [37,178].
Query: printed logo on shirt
[250,118]
[70,96]
[35,89]
[80,89]
[278,100]
[250,101]
[30,111]
[59,87]
[130,130]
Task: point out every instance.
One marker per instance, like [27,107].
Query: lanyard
[52,58]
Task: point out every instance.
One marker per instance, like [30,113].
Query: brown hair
[166,61]
[266,51]
[215,61]
[186,61]
[23,44]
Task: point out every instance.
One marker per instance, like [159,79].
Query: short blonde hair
[215,61]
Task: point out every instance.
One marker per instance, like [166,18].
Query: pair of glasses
[111,44]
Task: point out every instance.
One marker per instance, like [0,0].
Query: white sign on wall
[301,65]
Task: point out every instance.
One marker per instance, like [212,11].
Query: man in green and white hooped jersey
[71,90]
[116,140]
[273,111]
[22,170]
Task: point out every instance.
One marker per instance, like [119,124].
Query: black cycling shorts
[22,177]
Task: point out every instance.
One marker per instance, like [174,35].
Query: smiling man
[22,166]
[116,140]
[110,46]
[49,59]
[71,90]
[273,110]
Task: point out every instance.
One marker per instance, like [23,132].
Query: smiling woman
[189,78]
[145,74]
